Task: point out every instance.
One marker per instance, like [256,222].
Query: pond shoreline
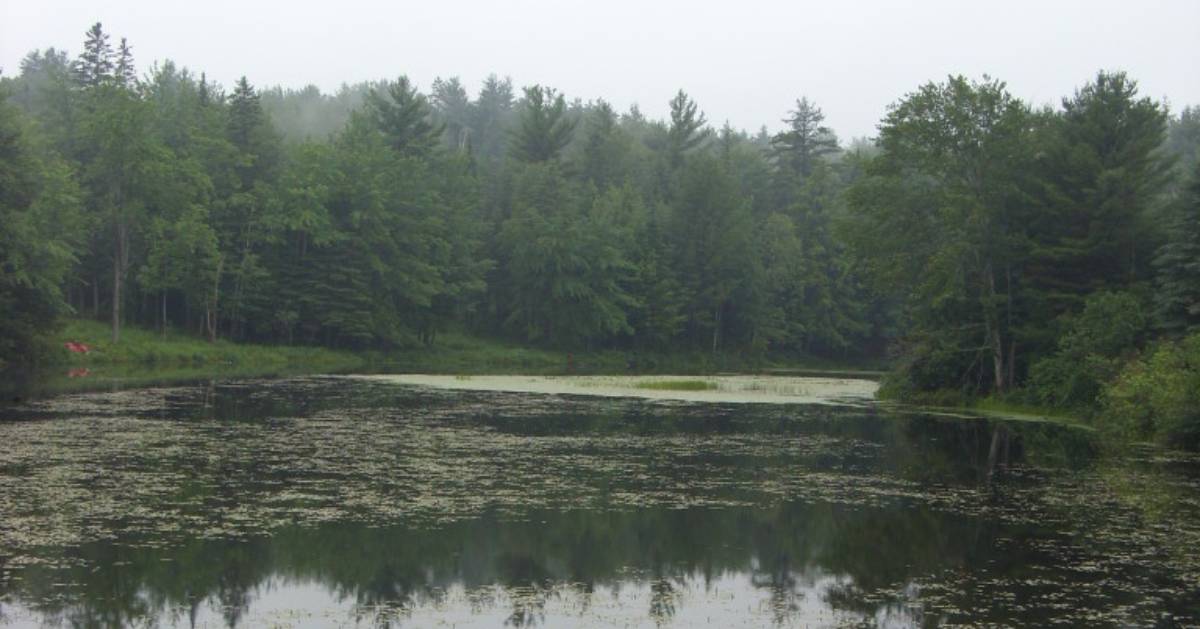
[724,389]
[149,358]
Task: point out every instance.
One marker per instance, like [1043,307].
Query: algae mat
[722,389]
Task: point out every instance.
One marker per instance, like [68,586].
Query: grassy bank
[990,405]
[460,353]
[995,406]
[452,353]
[147,357]
[141,348]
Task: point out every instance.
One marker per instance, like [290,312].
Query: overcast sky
[744,61]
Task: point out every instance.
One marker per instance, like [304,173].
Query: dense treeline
[1040,249]
[380,215]
[995,248]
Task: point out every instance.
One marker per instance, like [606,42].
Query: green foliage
[939,220]
[544,129]
[1100,170]
[1178,264]
[566,271]
[251,135]
[1021,241]
[686,131]
[403,116]
[39,208]
[1183,139]
[712,229]
[373,234]
[182,255]
[491,116]
[607,157]
[1158,397]
[1091,350]
[454,110]
[800,148]
[144,348]
[95,63]
[990,246]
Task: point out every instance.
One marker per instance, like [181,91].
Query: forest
[986,246]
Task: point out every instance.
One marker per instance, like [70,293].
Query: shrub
[1090,353]
[1157,397]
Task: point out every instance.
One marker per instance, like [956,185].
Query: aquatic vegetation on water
[723,389]
[677,385]
[352,497]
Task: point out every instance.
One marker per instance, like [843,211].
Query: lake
[460,502]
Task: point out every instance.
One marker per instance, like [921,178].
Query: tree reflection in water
[579,511]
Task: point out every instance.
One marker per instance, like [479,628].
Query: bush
[1157,397]
[932,367]
[1090,353]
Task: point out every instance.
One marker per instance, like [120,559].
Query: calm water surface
[316,502]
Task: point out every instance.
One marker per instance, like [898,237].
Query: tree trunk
[992,331]
[116,301]
[210,308]
[716,328]
[998,360]
[1012,337]
[120,262]
[1012,361]
[163,321]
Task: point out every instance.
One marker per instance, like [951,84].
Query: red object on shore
[78,348]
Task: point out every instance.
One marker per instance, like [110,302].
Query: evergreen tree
[124,72]
[566,271]
[95,64]
[47,90]
[491,113]
[205,91]
[1102,171]
[251,133]
[805,141]
[711,226]
[375,217]
[404,117]
[657,297]
[453,108]
[748,164]
[1183,141]
[1178,265]
[241,217]
[543,130]
[687,130]
[606,150]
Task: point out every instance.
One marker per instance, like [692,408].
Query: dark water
[319,502]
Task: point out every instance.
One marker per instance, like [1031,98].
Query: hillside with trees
[986,247]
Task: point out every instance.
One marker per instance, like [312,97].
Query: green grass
[452,352]
[991,405]
[677,385]
[1005,408]
[458,353]
[147,358]
[461,353]
[145,348]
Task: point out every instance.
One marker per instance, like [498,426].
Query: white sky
[744,61]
